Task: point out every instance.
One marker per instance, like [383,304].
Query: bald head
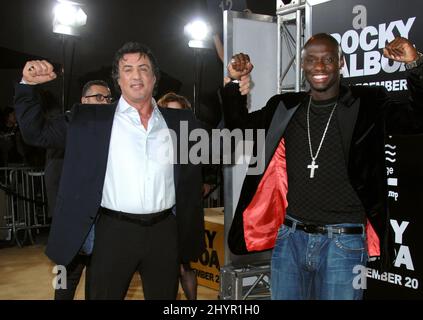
[324,38]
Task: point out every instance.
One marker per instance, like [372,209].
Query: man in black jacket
[93,92]
[114,174]
[325,174]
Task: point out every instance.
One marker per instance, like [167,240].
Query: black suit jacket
[86,137]
[364,114]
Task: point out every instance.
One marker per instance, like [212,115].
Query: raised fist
[37,72]
[239,66]
[400,49]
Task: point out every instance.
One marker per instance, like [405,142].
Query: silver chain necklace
[313,166]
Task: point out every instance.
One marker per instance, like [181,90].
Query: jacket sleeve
[406,117]
[35,128]
[235,112]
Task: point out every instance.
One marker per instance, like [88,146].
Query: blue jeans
[309,266]
[87,246]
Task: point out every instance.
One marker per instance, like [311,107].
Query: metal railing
[23,203]
[213,199]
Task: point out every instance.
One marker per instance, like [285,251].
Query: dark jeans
[73,275]
[123,247]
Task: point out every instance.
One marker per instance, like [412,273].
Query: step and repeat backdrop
[363,28]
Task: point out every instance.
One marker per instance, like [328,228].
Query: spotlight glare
[197,30]
[68,17]
[65,14]
[81,17]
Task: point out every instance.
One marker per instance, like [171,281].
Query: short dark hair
[91,83]
[327,37]
[135,47]
[173,97]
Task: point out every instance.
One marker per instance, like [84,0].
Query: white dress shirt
[139,175]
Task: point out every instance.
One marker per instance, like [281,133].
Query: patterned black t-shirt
[328,198]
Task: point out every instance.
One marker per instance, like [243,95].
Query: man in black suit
[325,177]
[114,175]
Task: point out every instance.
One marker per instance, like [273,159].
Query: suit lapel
[173,122]
[103,129]
[277,127]
[104,122]
[347,115]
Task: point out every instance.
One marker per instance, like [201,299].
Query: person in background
[12,148]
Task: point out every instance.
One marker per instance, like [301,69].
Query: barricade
[23,204]
[249,282]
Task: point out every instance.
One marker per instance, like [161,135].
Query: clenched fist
[37,72]
[400,49]
[239,66]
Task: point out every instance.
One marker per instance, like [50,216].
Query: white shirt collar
[124,107]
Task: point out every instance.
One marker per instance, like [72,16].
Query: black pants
[73,275]
[123,247]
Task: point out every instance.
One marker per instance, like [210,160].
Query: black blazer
[365,115]
[86,137]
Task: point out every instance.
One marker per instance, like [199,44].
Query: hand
[244,85]
[401,50]
[239,66]
[37,72]
[206,189]
[226,80]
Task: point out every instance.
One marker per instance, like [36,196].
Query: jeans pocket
[281,245]
[283,232]
[350,242]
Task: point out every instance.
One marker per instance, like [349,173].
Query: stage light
[198,31]
[197,44]
[68,18]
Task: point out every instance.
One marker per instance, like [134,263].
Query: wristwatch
[416,62]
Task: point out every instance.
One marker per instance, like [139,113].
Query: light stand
[68,18]
[198,32]
[197,78]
